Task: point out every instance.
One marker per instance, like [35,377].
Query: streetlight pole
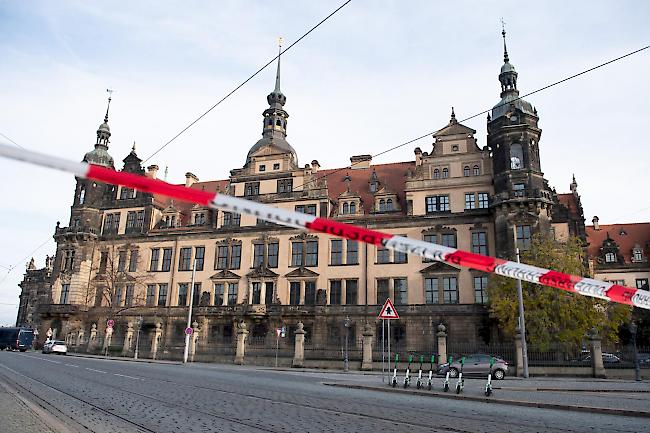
[346,323]
[137,338]
[189,314]
[522,320]
[637,369]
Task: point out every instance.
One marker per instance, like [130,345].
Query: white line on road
[72,365]
[92,369]
[127,376]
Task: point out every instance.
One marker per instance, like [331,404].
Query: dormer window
[610,257]
[445,173]
[262,167]
[349,208]
[252,188]
[436,174]
[466,171]
[454,148]
[477,170]
[199,218]
[276,166]
[169,221]
[373,186]
[346,208]
[637,254]
[127,193]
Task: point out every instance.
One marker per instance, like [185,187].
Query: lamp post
[137,338]
[637,369]
[189,315]
[347,324]
[522,320]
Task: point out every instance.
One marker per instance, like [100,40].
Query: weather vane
[280,40]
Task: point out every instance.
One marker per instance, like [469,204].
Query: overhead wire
[239,86]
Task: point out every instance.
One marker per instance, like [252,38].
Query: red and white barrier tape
[533,274]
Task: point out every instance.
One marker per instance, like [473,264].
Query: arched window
[466,171]
[278,122]
[382,205]
[346,208]
[389,204]
[610,257]
[445,173]
[436,174]
[82,195]
[353,207]
[516,157]
[477,170]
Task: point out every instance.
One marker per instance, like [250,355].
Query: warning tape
[571,283]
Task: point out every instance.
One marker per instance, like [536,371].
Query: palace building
[129,256]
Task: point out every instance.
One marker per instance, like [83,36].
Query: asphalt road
[117,396]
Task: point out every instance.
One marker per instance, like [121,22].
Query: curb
[589,409]
[620,391]
[116,358]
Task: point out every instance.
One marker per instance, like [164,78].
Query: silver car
[55,346]
[476,364]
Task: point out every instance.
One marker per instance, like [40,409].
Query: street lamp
[347,324]
[522,320]
[137,338]
[637,369]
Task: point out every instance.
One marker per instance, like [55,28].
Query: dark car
[17,338]
[476,364]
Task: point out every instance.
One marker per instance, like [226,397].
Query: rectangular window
[262,167]
[296,253]
[222,257]
[258,255]
[382,291]
[231,219]
[436,203]
[182,294]
[272,254]
[167,259]
[103,262]
[309,209]
[118,296]
[336,254]
[352,253]
[431,291]
[235,257]
[642,283]
[433,239]
[470,202]
[276,166]
[133,261]
[162,295]
[65,291]
[252,188]
[448,240]
[121,262]
[218,293]
[151,295]
[155,257]
[185,259]
[68,260]
[294,293]
[450,290]
[483,200]
[108,223]
[480,290]
[233,289]
[351,292]
[140,221]
[401,291]
[199,256]
[518,189]
[383,255]
[197,295]
[479,243]
[399,257]
[257,293]
[130,221]
[524,237]
[310,292]
[311,258]
[285,185]
[128,297]
[335,292]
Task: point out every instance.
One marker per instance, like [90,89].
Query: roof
[625,235]
[511,98]
[392,177]
[571,202]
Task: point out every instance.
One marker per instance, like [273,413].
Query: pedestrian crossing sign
[388,311]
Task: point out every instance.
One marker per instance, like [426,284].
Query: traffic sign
[110,323]
[388,311]
[189,331]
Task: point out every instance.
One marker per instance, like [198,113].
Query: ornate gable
[439,268]
[302,272]
[262,273]
[225,274]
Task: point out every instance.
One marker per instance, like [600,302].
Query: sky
[375,75]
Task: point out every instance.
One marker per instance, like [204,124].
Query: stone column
[108,335]
[368,334]
[92,341]
[128,339]
[442,344]
[155,340]
[80,337]
[240,350]
[597,367]
[193,339]
[299,352]
[519,353]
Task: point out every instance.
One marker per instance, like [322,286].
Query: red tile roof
[625,235]
[571,202]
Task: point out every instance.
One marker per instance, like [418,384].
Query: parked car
[608,358]
[476,364]
[18,338]
[55,346]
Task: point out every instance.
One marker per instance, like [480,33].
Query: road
[116,396]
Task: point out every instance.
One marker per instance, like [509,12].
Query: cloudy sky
[375,75]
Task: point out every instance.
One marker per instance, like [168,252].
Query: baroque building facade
[139,258]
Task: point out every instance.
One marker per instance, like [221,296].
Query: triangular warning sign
[388,311]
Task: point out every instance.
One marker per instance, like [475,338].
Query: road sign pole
[277,344]
[383,350]
[389,354]
[189,314]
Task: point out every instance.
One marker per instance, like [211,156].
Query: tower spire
[505,49]
[110,96]
[277,74]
